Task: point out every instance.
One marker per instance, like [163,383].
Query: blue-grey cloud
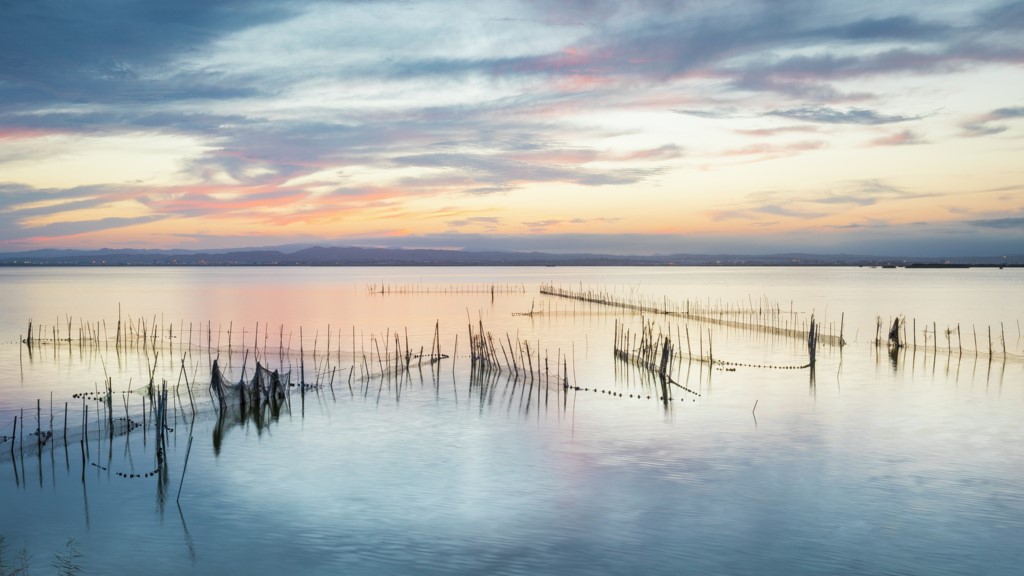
[1006,16]
[59,51]
[63,229]
[808,206]
[714,114]
[891,28]
[787,211]
[502,172]
[488,190]
[825,115]
[487,221]
[988,124]
[999,223]
[19,201]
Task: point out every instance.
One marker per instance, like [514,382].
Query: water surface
[878,464]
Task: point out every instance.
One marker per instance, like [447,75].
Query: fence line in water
[769,319]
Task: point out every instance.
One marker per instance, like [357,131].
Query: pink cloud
[904,138]
[775,150]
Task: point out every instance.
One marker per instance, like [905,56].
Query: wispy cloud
[769,151]
[998,223]
[806,206]
[766,132]
[500,171]
[826,115]
[558,224]
[486,222]
[989,124]
[902,138]
[306,112]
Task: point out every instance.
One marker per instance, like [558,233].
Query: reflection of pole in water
[14,463]
[85,495]
[1002,375]
[188,537]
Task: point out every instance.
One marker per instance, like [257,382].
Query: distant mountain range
[360,256]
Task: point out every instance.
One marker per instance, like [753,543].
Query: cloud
[866,192]
[23,207]
[987,124]
[114,51]
[1005,16]
[545,225]
[894,27]
[770,151]
[998,223]
[713,114]
[488,190]
[902,138]
[765,132]
[812,205]
[666,152]
[501,172]
[66,229]
[308,109]
[825,115]
[488,222]
[789,212]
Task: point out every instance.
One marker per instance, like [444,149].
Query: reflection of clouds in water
[455,475]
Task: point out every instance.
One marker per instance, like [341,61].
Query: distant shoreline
[915,266]
[349,256]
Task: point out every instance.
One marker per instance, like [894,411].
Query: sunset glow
[640,127]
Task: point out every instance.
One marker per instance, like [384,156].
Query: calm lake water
[872,463]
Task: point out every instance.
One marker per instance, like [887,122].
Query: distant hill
[360,256]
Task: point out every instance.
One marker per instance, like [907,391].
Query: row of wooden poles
[158,412]
[517,358]
[767,318]
[398,356]
[491,289]
[902,336]
[656,353]
[128,334]
[519,361]
[158,401]
[645,353]
[149,337]
[152,337]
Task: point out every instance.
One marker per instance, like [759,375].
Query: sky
[644,126]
